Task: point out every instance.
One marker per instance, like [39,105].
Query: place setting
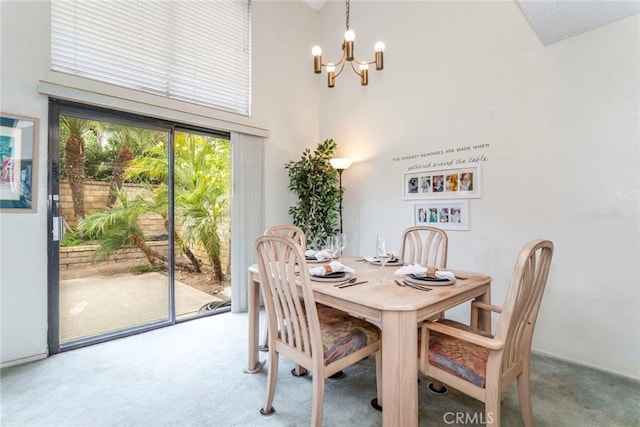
[335,272]
[317,257]
[333,247]
[423,278]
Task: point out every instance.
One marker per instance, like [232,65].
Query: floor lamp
[340,164]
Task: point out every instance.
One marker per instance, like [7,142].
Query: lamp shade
[340,163]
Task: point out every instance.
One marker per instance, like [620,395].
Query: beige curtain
[247,211]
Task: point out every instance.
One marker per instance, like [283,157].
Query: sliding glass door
[139,213]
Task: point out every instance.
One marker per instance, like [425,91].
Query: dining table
[398,310]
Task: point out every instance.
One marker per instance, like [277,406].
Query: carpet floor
[191,374]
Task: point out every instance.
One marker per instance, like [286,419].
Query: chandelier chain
[347,14]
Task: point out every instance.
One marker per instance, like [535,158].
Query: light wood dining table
[398,311]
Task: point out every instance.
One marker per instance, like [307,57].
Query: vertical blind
[190,50]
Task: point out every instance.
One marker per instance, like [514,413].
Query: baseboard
[586,365]
[23,360]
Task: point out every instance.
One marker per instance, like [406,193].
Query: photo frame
[453,183]
[18,163]
[448,215]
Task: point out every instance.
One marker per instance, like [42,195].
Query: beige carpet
[98,304]
[191,375]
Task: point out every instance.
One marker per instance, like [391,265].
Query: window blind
[189,50]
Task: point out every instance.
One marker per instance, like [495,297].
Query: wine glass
[332,246]
[341,241]
[382,255]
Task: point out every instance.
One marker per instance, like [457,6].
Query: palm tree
[74,128]
[128,141]
[118,228]
[201,186]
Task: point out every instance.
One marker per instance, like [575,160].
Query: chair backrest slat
[288,230]
[424,245]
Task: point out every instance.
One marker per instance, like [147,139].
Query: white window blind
[197,51]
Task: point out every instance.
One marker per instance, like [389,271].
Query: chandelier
[347,56]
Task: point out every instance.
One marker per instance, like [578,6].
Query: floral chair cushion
[343,334]
[460,358]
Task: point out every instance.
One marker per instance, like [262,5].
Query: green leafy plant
[71,238]
[315,181]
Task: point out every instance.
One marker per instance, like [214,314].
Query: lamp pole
[340,188]
[340,164]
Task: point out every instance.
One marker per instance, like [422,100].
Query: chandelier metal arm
[364,74]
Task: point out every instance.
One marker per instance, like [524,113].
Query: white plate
[315,261]
[374,260]
[429,282]
[344,278]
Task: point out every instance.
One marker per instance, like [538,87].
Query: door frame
[56,108]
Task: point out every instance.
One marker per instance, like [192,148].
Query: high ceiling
[557,20]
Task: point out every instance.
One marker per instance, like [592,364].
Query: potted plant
[314,181]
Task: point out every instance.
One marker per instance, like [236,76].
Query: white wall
[24,59]
[283,33]
[284,101]
[562,126]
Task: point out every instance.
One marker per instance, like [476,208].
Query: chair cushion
[460,358]
[343,334]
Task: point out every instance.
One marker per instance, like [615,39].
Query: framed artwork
[18,163]
[448,215]
[455,183]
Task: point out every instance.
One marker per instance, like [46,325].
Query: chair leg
[524,395]
[299,371]
[379,376]
[437,387]
[272,378]
[318,400]
[492,410]
[265,340]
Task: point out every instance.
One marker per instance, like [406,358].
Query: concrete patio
[103,303]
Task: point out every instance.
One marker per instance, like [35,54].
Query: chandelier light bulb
[364,67]
[331,68]
[379,47]
[349,36]
[316,51]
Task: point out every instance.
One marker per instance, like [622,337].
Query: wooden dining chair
[424,245]
[288,230]
[298,235]
[321,339]
[482,365]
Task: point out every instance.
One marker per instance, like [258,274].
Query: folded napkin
[333,267]
[319,255]
[419,271]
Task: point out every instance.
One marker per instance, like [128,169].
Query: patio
[102,303]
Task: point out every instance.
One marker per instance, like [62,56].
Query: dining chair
[424,245]
[298,235]
[289,230]
[321,339]
[481,365]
